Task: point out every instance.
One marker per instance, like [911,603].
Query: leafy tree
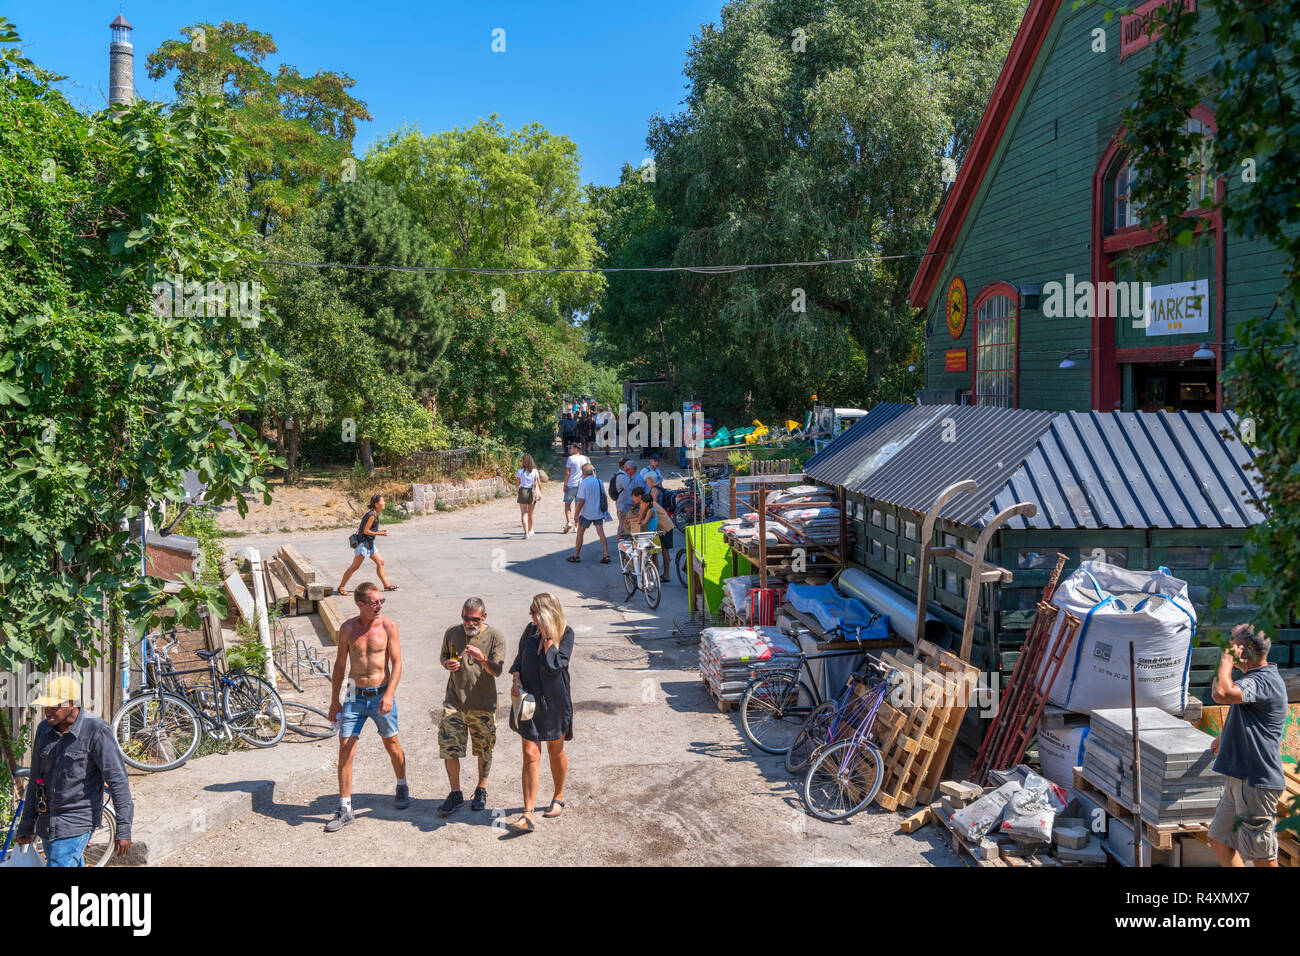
[498,199]
[811,130]
[297,130]
[405,314]
[109,394]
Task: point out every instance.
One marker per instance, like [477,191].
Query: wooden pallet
[724,706]
[917,735]
[1161,836]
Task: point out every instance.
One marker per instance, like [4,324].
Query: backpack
[604,501]
[613,485]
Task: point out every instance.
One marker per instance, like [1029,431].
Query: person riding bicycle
[651,517]
[73,756]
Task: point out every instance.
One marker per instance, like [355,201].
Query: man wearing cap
[73,756]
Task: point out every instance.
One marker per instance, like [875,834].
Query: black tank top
[362,537]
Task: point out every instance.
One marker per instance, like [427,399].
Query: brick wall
[454,494]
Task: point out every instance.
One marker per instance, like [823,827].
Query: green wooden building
[1027,298]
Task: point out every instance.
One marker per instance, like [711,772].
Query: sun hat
[58,690]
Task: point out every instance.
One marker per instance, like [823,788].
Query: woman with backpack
[363,545]
[529,493]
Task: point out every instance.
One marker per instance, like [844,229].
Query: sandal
[522,825]
[551,813]
[342,592]
[391,587]
[605,560]
[572,560]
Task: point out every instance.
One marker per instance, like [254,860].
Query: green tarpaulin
[705,539]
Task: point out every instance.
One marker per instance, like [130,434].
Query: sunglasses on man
[471,620]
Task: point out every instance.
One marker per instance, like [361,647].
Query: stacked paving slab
[1178,784]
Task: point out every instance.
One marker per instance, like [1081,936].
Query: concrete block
[988,849]
[1074,838]
[1092,852]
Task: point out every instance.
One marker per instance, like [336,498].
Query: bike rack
[290,653]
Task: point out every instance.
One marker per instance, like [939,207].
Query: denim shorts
[365,550]
[570,494]
[358,709]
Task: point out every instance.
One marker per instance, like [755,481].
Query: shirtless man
[369,642]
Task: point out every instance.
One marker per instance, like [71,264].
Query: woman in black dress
[541,668]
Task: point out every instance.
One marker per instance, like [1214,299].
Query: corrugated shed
[835,462]
[1137,470]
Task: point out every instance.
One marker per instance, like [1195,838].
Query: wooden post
[733,496]
[1137,756]
[762,535]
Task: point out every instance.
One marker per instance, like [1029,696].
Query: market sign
[954,360]
[1135,29]
[955,306]
[1178,309]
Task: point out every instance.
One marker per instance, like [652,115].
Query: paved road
[657,774]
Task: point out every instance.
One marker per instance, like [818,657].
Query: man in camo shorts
[475,655]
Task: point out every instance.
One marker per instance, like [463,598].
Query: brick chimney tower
[121,64]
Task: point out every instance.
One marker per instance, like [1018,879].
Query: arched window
[996,338]
[1200,175]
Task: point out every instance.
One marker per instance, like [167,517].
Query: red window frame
[1013,342]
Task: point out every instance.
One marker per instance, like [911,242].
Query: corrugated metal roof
[1080,469]
[1137,470]
[980,442]
[835,461]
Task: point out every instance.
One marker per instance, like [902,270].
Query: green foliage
[404,314]
[200,522]
[248,653]
[783,155]
[296,131]
[107,397]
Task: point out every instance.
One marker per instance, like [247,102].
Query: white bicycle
[636,556]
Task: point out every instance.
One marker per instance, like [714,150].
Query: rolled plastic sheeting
[900,611]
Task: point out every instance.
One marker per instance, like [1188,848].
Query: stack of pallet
[1179,784]
[917,723]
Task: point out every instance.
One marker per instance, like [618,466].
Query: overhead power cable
[512,271]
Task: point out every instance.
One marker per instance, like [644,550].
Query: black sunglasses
[470,620]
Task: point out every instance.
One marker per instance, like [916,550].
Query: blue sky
[594,72]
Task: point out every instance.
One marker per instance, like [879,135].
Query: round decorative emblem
[956,307]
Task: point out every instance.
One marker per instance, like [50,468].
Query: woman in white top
[527,476]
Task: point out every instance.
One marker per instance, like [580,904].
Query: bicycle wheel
[772,709]
[843,779]
[157,732]
[307,721]
[629,582]
[103,842]
[650,586]
[253,709]
[811,735]
[681,565]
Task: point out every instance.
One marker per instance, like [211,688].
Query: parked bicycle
[160,728]
[777,702]
[845,776]
[636,555]
[103,842]
[693,503]
[307,721]
[831,720]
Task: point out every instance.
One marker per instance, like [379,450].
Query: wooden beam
[291,584]
[331,617]
[302,569]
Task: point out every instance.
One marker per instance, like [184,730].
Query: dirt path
[656,773]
